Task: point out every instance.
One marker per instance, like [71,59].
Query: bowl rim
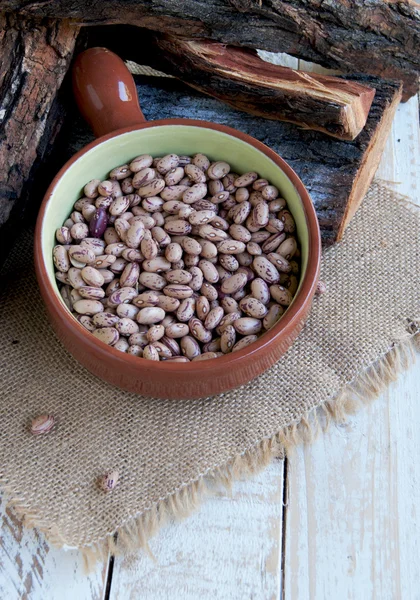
[284,325]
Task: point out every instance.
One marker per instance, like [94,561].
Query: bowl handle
[105,91]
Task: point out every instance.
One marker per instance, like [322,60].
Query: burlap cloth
[168,453]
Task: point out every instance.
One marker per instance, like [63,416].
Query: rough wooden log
[238,76]
[336,173]
[381,37]
[34,59]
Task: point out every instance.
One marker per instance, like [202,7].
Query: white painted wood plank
[32,570]
[353,517]
[352,524]
[229,550]
[400,164]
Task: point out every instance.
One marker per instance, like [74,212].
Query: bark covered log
[238,76]
[381,37]
[34,59]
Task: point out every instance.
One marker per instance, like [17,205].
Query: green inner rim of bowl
[158,141]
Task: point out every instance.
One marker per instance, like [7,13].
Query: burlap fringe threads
[135,532]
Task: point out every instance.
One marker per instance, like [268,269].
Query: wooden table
[338,519]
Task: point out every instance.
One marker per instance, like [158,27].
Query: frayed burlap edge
[134,534]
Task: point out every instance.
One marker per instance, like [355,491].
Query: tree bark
[34,59]
[381,37]
[238,76]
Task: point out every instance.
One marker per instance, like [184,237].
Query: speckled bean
[288,248]
[105,319]
[195,174]
[124,295]
[228,319]
[138,339]
[146,299]
[127,311]
[209,271]
[178,291]
[247,325]
[119,206]
[167,303]
[190,347]
[176,330]
[63,235]
[178,276]
[162,349]
[209,291]
[265,269]
[65,294]
[206,356]
[269,192]
[160,236]
[273,315]
[186,310]
[61,259]
[218,169]
[115,249]
[174,176]
[253,307]
[246,179]
[167,162]
[244,342]
[260,290]
[133,350]
[281,263]
[234,283]
[88,307]
[201,161]
[198,330]
[127,326]
[227,339]
[202,307]
[281,295]
[92,276]
[91,292]
[150,353]
[173,192]
[171,344]
[260,214]
[289,222]
[129,276]
[214,317]
[152,281]
[240,212]
[150,315]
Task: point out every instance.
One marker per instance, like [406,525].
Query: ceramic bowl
[110,105]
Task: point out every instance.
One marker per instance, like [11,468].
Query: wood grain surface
[34,59]
[350,527]
[336,106]
[378,37]
[352,519]
[30,569]
[229,550]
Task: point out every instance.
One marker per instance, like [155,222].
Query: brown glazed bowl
[107,97]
